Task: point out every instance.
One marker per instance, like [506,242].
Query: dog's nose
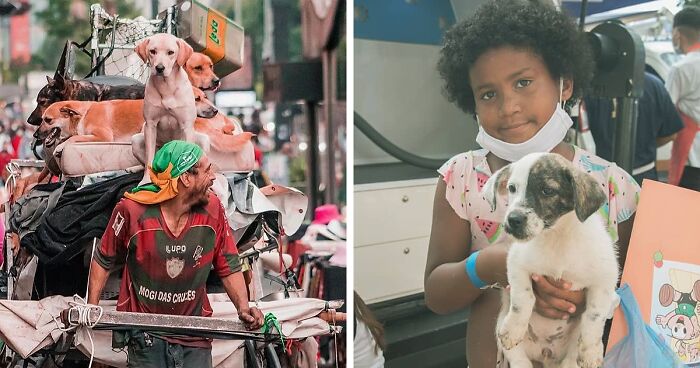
[216,82]
[516,219]
[160,68]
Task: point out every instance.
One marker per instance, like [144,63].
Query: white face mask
[551,134]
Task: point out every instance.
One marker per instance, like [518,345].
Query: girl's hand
[553,299]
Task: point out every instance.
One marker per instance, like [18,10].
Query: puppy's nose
[516,219]
[160,68]
[216,82]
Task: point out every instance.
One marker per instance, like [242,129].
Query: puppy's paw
[511,334]
[590,356]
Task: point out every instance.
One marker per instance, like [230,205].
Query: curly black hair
[522,24]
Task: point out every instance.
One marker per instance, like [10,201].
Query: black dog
[100,88]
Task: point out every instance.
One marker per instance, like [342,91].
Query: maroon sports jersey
[163,273]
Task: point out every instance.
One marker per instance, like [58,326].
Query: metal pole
[328,98]
[312,167]
[154,9]
[626,134]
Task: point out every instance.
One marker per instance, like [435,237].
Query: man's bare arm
[96,282]
[235,287]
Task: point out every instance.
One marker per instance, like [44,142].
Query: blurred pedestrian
[684,87]
[657,124]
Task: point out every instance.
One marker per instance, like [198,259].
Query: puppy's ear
[142,50]
[69,112]
[496,185]
[588,194]
[49,80]
[184,53]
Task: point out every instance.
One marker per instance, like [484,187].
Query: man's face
[200,180]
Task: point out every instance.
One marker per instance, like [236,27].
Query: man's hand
[252,317]
[553,299]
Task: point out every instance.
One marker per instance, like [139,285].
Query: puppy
[556,230]
[200,71]
[168,110]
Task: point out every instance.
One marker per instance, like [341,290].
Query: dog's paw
[590,356]
[510,335]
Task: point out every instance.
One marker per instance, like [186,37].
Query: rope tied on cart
[272,323]
[84,311]
[15,174]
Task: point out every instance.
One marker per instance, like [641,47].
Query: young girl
[512,64]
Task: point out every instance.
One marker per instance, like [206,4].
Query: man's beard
[202,199]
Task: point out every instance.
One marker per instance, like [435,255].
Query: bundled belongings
[77,216]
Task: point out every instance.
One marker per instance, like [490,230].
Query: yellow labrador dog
[169,107]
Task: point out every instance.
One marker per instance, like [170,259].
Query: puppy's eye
[153,52]
[47,120]
[170,52]
[547,191]
[511,188]
[198,99]
[198,67]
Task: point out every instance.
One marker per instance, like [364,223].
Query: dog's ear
[496,185]
[69,112]
[588,194]
[59,81]
[184,53]
[142,50]
[49,80]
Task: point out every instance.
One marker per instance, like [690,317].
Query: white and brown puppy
[556,231]
[169,107]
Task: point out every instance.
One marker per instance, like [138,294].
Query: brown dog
[200,71]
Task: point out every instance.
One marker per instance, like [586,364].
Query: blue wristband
[471,271]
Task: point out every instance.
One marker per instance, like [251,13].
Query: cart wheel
[273,361]
[250,355]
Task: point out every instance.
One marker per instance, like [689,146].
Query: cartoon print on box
[674,310]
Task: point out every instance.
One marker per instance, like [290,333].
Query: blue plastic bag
[641,348]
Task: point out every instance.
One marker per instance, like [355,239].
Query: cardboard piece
[663,268]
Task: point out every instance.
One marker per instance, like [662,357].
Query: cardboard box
[210,32]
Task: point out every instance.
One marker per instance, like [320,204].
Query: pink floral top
[466,173]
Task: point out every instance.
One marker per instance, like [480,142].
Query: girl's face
[515,93]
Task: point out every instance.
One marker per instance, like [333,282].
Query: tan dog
[200,71]
[168,108]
